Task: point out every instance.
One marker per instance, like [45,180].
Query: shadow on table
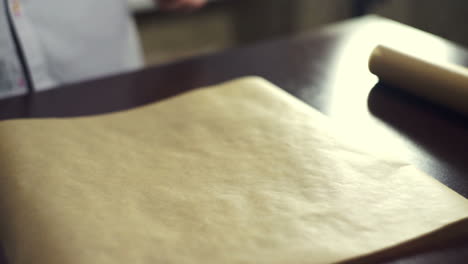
[440,132]
[453,237]
[443,134]
[2,256]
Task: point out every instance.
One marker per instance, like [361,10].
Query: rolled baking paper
[444,84]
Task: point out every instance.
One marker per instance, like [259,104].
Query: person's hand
[180,5]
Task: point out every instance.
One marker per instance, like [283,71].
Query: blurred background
[226,24]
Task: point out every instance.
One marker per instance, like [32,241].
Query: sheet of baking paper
[442,83]
[236,173]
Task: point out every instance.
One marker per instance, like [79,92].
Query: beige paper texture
[442,83]
[237,173]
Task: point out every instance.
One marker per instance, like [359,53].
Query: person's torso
[12,79]
[65,41]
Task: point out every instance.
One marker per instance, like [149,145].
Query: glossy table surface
[328,70]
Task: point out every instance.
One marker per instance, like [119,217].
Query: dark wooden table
[328,70]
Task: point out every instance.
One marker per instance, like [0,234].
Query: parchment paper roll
[445,84]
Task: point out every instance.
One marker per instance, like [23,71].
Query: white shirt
[65,41]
